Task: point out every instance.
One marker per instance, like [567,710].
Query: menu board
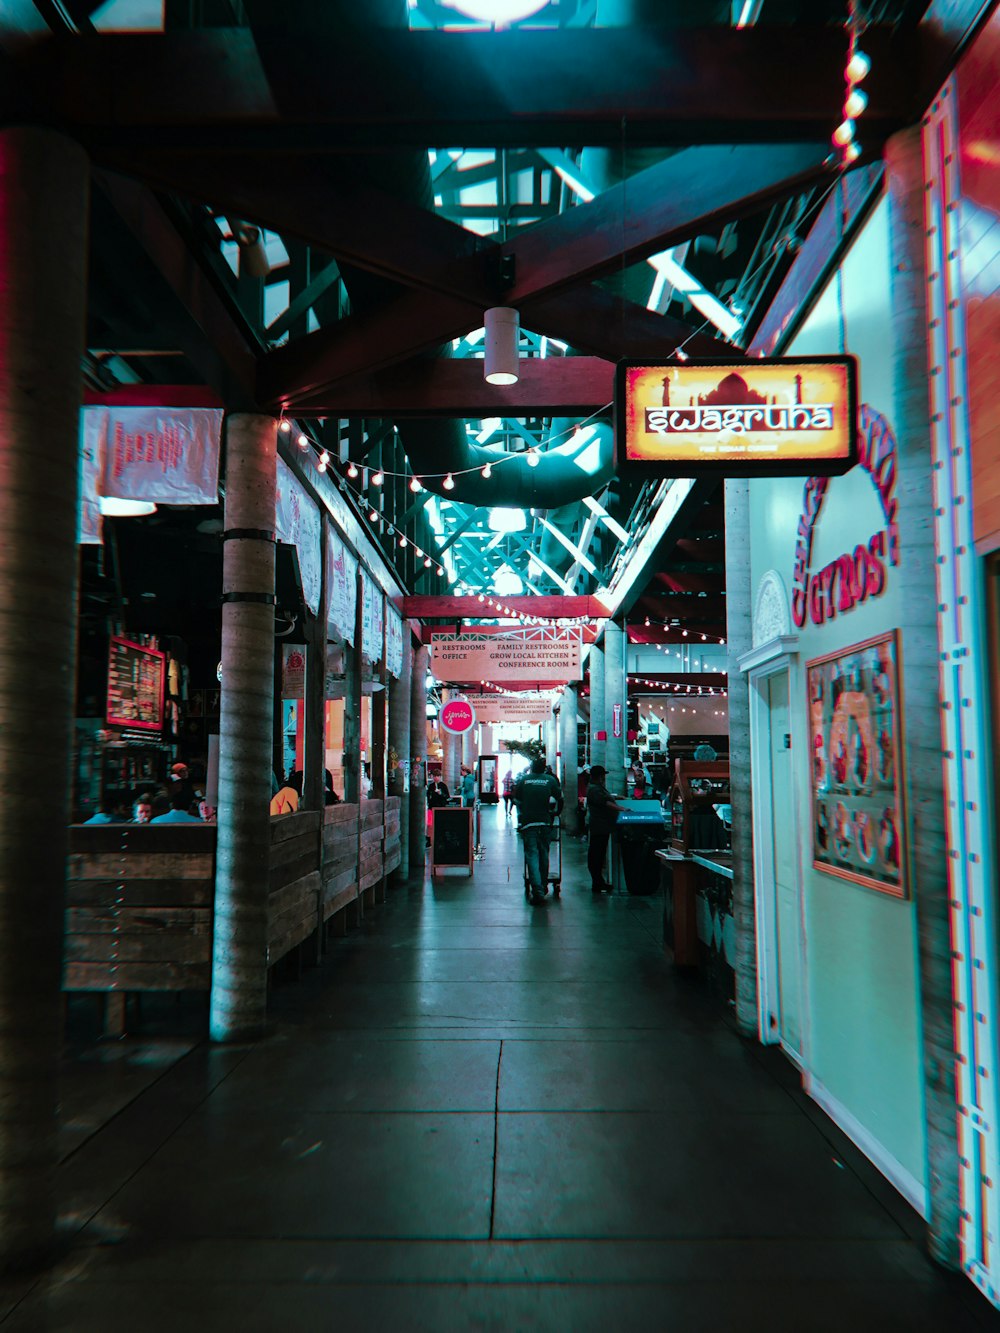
[136,680]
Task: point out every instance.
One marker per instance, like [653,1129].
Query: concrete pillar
[570,764]
[470,748]
[550,735]
[739,639]
[615,696]
[598,719]
[418,756]
[920,684]
[399,741]
[44,182]
[239,944]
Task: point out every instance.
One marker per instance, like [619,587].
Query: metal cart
[554,876]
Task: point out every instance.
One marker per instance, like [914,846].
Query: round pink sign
[457,716]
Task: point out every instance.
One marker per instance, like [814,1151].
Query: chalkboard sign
[451,838]
[136,680]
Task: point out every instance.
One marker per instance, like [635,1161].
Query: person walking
[508,792]
[602,810]
[539,798]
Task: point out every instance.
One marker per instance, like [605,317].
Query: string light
[373,516]
[415,486]
[303,441]
[352,470]
[534,458]
[402,543]
[324,460]
[487,471]
[449,482]
[855,99]
[378,478]
[427,562]
[284,426]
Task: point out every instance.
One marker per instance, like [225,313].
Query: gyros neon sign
[859,574]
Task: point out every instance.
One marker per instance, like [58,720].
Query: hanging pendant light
[501,358]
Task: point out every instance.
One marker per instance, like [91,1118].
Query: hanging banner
[293,671]
[342,577]
[504,660]
[298,522]
[530,708]
[393,642]
[371,619]
[164,454]
[93,433]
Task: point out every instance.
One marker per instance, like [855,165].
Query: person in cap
[539,799]
[602,811]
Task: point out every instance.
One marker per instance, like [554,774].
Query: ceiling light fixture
[500,364]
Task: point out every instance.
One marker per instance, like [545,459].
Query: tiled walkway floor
[482,1115]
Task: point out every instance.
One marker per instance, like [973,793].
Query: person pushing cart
[539,800]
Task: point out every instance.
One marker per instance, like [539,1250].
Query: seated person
[143,811]
[176,813]
[286,802]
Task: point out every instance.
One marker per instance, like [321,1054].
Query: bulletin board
[855,732]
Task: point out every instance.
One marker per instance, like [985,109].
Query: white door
[784,843]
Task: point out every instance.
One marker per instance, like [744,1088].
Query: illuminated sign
[749,418]
[458,716]
[819,595]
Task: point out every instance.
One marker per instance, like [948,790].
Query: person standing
[468,787]
[602,810]
[539,798]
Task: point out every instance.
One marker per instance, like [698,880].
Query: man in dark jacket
[603,811]
[539,798]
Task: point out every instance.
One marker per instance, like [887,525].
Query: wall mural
[855,732]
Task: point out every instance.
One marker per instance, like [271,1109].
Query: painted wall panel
[861,1037]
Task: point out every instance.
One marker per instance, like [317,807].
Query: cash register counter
[684,875]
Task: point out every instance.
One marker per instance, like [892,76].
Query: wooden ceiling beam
[547,608]
[285,90]
[449,387]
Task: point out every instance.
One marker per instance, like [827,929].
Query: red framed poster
[136,685]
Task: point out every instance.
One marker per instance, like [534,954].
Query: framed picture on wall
[855,737]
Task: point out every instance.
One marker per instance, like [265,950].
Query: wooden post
[44,182]
[352,706]
[739,637]
[314,739]
[418,757]
[378,714]
[239,953]
[920,684]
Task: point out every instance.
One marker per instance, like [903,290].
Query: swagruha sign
[822,594]
[747,418]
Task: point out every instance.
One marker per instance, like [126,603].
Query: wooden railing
[139,896]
